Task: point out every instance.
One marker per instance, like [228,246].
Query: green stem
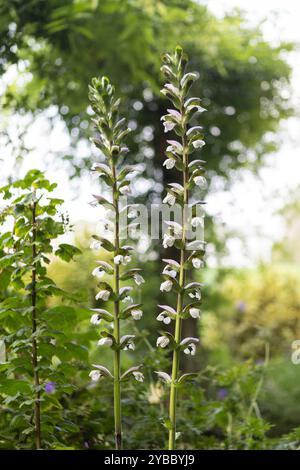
[117,358]
[37,406]
[178,322]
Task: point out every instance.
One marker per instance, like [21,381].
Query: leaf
[12,387]
[8,260]
[67,252]
[61,316]
[78,351]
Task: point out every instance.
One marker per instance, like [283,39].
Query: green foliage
[40,359]
[242,75]
[255,307]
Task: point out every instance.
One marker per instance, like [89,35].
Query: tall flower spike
[191,253]
[111,134]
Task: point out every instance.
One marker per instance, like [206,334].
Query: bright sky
[250,207]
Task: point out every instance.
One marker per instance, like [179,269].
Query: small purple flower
[240,306]
[222,393]
[50,387]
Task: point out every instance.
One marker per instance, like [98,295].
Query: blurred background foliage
[243,398]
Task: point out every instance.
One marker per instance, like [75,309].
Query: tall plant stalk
[179,232]
[111,132]
[117,355]
[37,405]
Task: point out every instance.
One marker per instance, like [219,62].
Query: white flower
[136,314]
[169,199]
[170,272]
[169,126]
[127,299]
[166,286]
[125,190]
[198,144]
[168,240]
[169,163]
[195,312]
[195,295]
[118,259]
[96,319]
[98,272]
[174,226]
[196,221]
[95,245]
[127,259]
[138,376]
[191,349]
[103,295]
[110,214]
[132,213]
[129,345]
[162,341]
[105,342]
[200,181]
[164,318]
[138,279]
[95,375]
[197,263]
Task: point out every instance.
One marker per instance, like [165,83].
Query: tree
[242,76]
